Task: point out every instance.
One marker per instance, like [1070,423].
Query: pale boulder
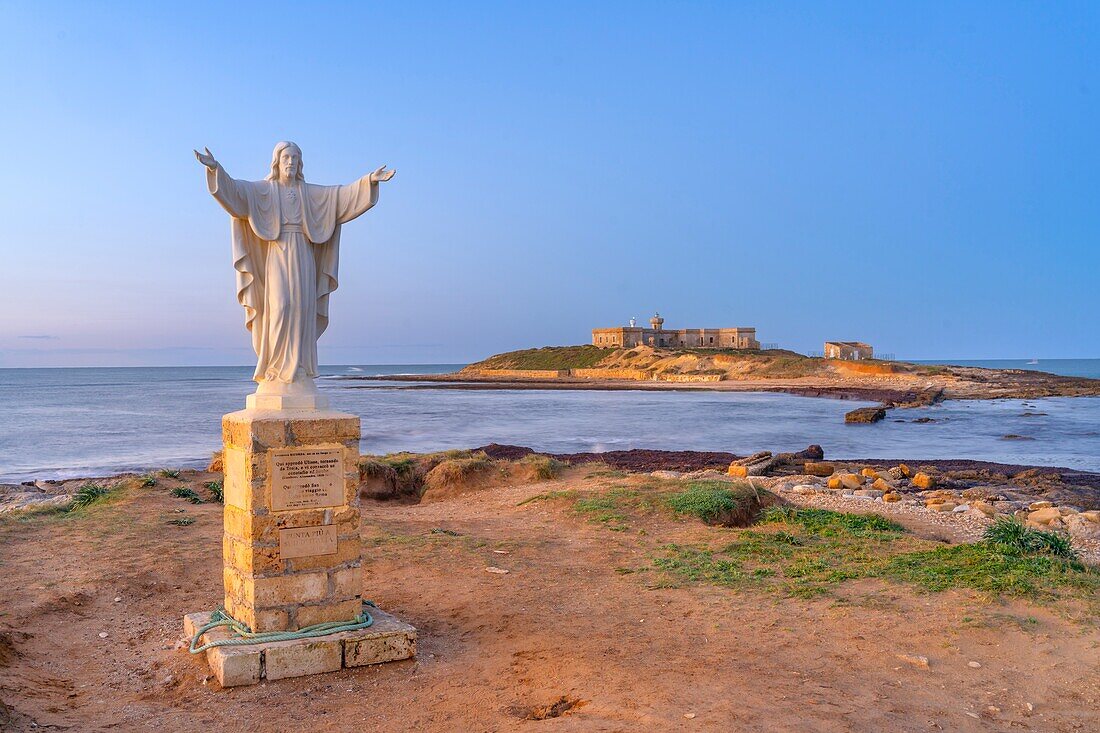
[1044,516]
[883,485]
[982,509]
[816,468]
[849,481]
[924,481]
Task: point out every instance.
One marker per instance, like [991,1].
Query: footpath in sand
[572,604]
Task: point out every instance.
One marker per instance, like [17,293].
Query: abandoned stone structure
[851,350]
[701,338]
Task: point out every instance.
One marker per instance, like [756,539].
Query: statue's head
[286,162]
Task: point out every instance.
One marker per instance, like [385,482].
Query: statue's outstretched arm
[355,199]
[229,192]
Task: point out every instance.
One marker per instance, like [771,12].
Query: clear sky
[921,176]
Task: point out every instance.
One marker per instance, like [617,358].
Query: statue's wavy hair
[279,148]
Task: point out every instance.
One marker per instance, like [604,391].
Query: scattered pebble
[102,634]
[974,665]
[498,571]
[689,716]
[914,659]
[501,552]
[118,599]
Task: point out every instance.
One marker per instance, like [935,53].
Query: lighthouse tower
[656,322]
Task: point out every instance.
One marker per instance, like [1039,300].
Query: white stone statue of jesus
[286,249]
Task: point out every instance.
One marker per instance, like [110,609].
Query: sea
[87,422]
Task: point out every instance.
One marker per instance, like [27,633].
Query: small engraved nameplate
[304,478]
[306,541]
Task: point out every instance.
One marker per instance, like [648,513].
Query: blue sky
[920,176]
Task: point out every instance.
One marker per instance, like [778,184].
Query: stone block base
[386,640]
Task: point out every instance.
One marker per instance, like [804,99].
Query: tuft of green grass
[1013,535]
[829,523]
[186,492]
[169,473]
[721,502]
[697,565]
[182,521]
[707,500]
[148,481]
[604,510]
[87,495]
[216,489]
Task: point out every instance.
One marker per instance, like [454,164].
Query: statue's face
[289,162]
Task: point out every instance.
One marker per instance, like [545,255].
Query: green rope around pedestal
[246,636]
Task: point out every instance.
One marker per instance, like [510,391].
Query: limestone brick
[295,659]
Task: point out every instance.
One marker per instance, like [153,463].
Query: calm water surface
[86,422]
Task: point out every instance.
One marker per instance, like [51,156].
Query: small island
[892,383]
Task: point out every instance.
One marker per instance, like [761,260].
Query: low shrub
[1012,535]
[87,495]
[217,491]
[185,492]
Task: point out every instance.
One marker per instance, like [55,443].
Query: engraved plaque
[306,541]
[304,478]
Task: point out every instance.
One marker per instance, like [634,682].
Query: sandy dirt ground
[562,642]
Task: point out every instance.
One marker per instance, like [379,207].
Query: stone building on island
[739,337]
[850,350]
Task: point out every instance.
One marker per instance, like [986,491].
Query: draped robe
[286,252]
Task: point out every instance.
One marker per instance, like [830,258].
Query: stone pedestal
[291,546]
[292,550]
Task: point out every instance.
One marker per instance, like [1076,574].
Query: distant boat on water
[1033,361]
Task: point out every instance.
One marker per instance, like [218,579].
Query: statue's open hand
[206,159]
[382,174]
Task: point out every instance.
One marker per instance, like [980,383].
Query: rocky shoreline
[967,493]
[884,395]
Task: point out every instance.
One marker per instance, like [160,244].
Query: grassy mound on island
[548,357]
[733,363]
[908,383]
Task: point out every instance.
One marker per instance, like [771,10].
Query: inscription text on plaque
[306,541]
[304,478]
